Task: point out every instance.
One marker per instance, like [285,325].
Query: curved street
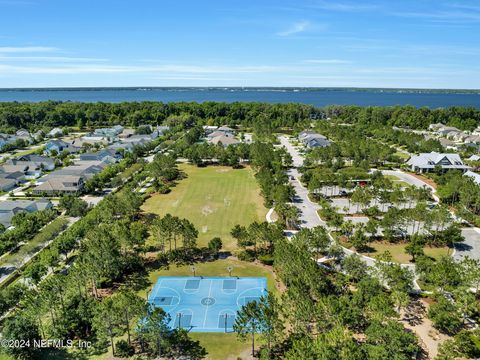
[309,217]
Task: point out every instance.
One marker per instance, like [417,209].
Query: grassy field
[214,199]
[398,251]
[219,345]
[397,180]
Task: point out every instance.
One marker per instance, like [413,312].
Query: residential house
[55,132]
[24,135]
[61,184]
[31,170]
[44,162]
[9,208]
[107,155]
[472,139]
[39,135]
[6,139]
[448,144]
[109,132]
[126,133]
[435,127]
[226,130]
[17,176]
[59,146]
[126,147]
[7,184]
[445,130]
[223,140]
[426,162]
[474,176]
[85,169]
[92,139]
[312,139]
[474,158]
[209,129]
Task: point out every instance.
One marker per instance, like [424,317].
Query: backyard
[214,199]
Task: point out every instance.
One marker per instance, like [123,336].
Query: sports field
[214,199]
[205,304]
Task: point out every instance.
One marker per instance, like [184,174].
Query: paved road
[410,179]
[296,156]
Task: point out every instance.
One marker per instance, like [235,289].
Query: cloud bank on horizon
[346,43]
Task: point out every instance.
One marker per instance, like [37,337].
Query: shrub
[124,349]
[246,255]
[266,259]
[445,316]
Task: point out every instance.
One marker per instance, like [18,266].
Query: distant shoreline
[249,88]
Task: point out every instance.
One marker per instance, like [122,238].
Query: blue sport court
[205,304]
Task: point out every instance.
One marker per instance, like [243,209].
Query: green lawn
[214,199]
[219,345]
[402,155]
[398,251]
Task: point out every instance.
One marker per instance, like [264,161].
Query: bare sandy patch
[207,210]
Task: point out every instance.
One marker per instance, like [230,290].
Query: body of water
[317,97]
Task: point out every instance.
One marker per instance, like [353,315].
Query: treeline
[262,116]
[465,118]
[32,116]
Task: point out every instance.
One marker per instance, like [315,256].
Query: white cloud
[157,69]
[295,28]
[62,59]
[343,6]
[327,61]
[26,49]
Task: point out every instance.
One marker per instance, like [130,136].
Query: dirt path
[430,338]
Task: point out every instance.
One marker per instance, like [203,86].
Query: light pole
[230,269]
[179,315]
[193,269]
[226,322]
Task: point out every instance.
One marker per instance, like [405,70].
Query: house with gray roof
[31,170]
[474,176]
[17,176]
[84,168]
[312,139]
[108,155]
[45,162]
[7,184]
[9,208]
[60,146]
[223,140]
[426,162]
[60,184]
[55,132]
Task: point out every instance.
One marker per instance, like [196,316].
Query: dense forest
[32,116]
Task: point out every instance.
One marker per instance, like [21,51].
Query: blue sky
[371,43]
